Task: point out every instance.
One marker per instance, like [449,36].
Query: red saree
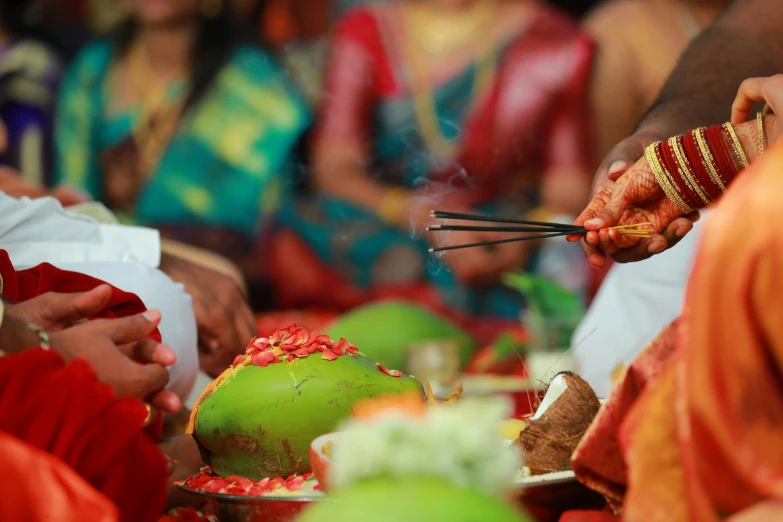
[702,440]
[62,409]
[29,474]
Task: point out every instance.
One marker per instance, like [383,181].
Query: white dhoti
[635,302]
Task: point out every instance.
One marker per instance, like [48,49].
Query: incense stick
[540,229]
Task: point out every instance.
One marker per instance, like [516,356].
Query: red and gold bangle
[653,160]
[699,165]
[684,170]
[760,129]
[736,145]
[669,164]
[727,168]
[709,158]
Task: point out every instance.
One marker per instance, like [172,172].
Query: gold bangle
[709,160]
[43,337]
[663,181]
[684,170]
[390,207]
[760,125]
[736,145]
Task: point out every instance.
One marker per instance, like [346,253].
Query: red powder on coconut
[207,481]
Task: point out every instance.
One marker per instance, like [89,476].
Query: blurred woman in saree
[453,104]
[177,125]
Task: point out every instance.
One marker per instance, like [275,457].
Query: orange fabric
[702,441]
[597,461]
[30,475]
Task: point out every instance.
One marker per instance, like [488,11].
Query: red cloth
[30,475]
[64,410]
[19,286]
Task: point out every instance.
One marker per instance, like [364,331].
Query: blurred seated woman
[175,124]
[462,105]
[29,75]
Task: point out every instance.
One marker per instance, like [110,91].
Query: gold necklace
[442,35]
[158,120]
[424,97]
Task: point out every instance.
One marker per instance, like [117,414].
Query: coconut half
[554,432]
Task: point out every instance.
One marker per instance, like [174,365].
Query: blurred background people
[638,43]
[30,71]
[176,123]
[475,105]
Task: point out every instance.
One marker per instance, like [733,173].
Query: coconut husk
[549,442]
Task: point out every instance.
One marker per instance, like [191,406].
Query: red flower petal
[289,357]
[338,350]
[288,347]
[238,360]
[260,359]
[329,355]
[392,373]
[302,352]
[299,336]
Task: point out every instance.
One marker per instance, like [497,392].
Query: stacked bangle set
[695,169]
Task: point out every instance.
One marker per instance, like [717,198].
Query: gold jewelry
[43,337]
[684,170]
[442,34]
[211,8]
[736,145]
[158,120]
[664,180]
[709,161]
[390,207]
[760,125]
[423,96]
[148,418]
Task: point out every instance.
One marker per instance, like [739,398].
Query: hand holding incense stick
[535,229]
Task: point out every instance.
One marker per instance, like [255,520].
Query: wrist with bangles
[694,170]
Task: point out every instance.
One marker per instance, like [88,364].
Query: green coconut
[258,422]
[412,499]
[385,330]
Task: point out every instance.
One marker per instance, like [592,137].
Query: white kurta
[635,302]
[38,231]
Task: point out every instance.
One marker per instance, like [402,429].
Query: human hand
[112,345]
[54,311]
[753,90]
[225,322]
[635,198]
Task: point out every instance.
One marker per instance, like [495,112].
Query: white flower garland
[458,442]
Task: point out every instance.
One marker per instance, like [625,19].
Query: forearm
[743,43]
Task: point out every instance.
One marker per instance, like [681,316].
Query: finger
[598,202]
[593,254]
[150,351]
[166,401]
[610,213]
[148,379]
[750,91]
[70,308]
[673,234]
[620,159]
[133,328]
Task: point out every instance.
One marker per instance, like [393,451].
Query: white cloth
[38,231]
[635,302]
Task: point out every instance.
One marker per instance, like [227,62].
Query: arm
[743,43]
[568,146]
[341,149]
